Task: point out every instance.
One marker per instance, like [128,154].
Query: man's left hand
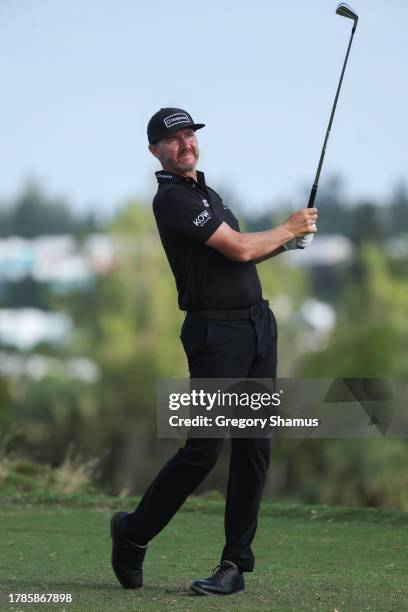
[304,241]
[299,243]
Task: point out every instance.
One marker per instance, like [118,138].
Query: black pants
[218,349]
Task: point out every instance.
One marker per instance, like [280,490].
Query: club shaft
[319,167]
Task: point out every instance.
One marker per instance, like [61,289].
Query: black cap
[169,120]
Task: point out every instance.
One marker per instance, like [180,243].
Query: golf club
[345,11]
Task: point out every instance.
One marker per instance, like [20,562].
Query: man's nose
[184,141]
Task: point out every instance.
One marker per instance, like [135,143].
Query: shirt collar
[165,177]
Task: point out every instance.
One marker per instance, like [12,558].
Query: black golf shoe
[226,579]
[127,557]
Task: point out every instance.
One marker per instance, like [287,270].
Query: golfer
[228,332]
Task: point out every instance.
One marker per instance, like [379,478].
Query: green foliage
[6,408]
[348,472]
[371,335]
[53,413]
[373,472]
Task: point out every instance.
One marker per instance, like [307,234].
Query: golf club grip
[312,197]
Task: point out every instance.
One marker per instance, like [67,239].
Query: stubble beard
[179,167]
[185,167]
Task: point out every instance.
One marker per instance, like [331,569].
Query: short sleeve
[186,215]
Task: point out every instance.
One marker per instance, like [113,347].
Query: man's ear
[154,150]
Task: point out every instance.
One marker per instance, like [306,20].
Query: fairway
[306,559]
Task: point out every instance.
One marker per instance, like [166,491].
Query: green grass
[307,558]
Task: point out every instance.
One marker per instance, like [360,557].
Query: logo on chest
[202,218]
[205,202]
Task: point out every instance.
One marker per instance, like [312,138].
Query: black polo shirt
[187,213]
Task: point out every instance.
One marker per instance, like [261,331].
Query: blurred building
[36,366]
[63,264]
[26,327]
[60,261]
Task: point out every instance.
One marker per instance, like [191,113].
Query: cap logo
[176,118]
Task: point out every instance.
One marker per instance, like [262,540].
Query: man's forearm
[273,254]
[259,246]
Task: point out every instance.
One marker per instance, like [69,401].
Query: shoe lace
[220,569]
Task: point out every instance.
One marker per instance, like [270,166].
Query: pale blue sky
[81,78]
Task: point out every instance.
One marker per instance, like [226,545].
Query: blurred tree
[33,213]
[368,224]
[25,293]
[398,217]
[6,407]
[371,335]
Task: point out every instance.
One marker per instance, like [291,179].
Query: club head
[346,11]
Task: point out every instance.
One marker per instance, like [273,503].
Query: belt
[248,314]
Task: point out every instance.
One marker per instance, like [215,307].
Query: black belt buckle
[256,311]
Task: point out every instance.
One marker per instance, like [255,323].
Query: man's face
[178,152]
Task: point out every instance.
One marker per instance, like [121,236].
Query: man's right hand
[302,222]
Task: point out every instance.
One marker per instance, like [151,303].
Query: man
[228,332]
